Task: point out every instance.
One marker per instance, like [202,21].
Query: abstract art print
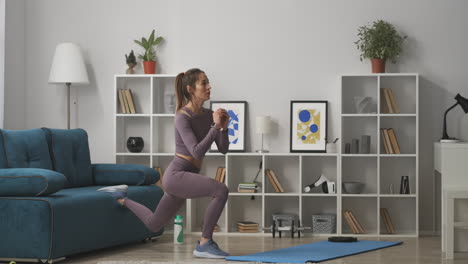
[308,131]
[236,125]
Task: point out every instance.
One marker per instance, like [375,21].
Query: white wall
[2,61]
[264,52]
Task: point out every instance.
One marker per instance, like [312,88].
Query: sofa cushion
[26,149]
[3,161]
[70,155]
[30,182]
[130,174]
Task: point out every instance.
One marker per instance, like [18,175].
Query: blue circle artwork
[304,116]
[313,128]
[303,137]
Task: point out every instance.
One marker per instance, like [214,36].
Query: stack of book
[127,106]
[274,180]
[353,223]
[247,227]
[387,220]
[220,174]
[247,187]
[388,101]
[390,141]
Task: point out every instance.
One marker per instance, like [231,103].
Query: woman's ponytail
[184,79]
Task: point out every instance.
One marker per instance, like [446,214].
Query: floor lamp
[68,67]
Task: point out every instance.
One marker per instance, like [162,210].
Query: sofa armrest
[130,174]
[30,182]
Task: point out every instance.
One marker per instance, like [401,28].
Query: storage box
[324,224]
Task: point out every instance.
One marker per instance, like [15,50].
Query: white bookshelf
[294,170]
[379,170]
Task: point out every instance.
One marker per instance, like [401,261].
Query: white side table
[450,195]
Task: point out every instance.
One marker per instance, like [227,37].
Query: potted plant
[131,62]
[379,42]
[149,64]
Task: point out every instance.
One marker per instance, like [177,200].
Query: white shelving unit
[294,170]
[379,170]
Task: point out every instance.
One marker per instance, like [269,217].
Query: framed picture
[236,127]
[308,126]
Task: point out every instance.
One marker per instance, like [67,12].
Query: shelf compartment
[391,170]
[313,167]
[363,86]
[243,208]
[140,90]
[163,95]
[404,91]
[355,127]
[364,209]
[243,169]
[132,127]
[163,134]
[286,169]
[211,164]
[280,205]
[405,132]
[197,214]
[317,206]
[402,212]
[360,169]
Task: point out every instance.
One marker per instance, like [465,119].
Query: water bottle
[178,230]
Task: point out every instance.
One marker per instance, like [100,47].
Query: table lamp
[263,127]
[463,102]
[68,67]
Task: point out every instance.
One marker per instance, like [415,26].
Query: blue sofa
[49,206]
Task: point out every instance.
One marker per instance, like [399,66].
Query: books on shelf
[353,222]
[274,181]
[127,104]
[247,227]
[387,220]
[388,101]
[247,187]
[390,141]
[221,174]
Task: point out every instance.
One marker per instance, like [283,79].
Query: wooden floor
[414,250]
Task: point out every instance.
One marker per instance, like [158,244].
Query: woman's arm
[196,149]
[222,141]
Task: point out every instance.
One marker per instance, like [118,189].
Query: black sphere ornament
[135,144]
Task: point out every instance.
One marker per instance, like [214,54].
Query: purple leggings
[182,181]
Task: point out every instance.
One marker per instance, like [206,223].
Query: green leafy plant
[148,45]
[130,58]
[379,41]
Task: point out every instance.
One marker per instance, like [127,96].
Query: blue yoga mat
[315,252]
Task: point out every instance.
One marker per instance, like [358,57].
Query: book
[383,103]
[131,105]
[247,223]
[350,223]
[124,96]
[384,141]
[388,101]
[121,102]
[270,179]
[247,227]
[246,190]
[395,107]
[389,143]
[223,175]
[276,180]
[219,171]
[394,141]
[387,220]
[358,225]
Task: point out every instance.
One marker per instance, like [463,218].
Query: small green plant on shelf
[149,52]
[379,42]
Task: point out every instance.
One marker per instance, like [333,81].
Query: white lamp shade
[263,124]
[68,65]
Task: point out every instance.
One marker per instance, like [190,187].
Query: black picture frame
[237,144]
[295,144]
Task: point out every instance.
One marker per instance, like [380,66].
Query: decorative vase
[135,144]
[363,104]
[378,65]
[130,69]
[149,67]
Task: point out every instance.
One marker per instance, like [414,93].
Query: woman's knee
[222,191]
